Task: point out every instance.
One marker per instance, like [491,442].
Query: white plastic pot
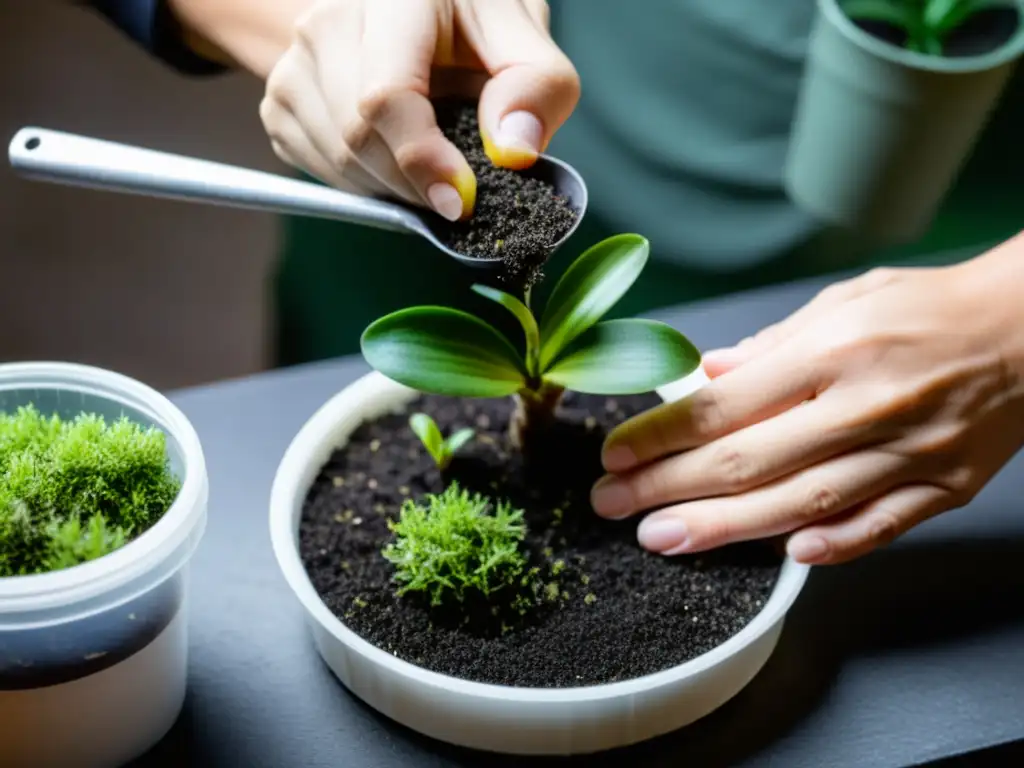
[525,721]
[93,659]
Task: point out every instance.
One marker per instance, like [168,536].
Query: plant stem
[534,413]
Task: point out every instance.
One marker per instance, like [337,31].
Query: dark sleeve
[151,24]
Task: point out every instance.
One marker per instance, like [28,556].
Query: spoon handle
[86,162]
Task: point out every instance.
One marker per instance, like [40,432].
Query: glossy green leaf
[938,14]
[932,45]
[443,351]
[427,431]
[458,439]
[589,288]
[900,15]
[525,318]
[621,357]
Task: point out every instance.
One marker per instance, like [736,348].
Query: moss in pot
[73,491]
[477,555]
[103,494]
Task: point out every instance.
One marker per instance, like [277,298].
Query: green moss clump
[454,544]
[73,491]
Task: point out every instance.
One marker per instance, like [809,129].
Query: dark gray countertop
[913,654]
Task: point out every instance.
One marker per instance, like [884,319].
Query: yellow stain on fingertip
[465,184]
[513,158]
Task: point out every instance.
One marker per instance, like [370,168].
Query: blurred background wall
[171,293]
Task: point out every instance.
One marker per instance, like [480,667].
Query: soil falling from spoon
[516,216]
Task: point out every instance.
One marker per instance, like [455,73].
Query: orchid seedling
[445,351]
[926,23]
[440,448]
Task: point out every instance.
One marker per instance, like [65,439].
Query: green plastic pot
[881,132]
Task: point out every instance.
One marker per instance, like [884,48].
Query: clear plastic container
[93,659]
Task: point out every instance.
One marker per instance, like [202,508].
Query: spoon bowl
[66,158]
[567,183]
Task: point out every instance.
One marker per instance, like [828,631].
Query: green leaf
[427,431]
[589,288]
[443,351]
[937,13]
[931,45]
[458,439]
[899,15]
[525,318]
[622,357]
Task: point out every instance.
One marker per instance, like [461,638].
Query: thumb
[533,87]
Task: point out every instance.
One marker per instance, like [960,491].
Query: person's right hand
[349,104]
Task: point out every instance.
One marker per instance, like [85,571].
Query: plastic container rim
[141,556]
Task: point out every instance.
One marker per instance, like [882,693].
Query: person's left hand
[888,399]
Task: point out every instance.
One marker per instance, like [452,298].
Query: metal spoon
[66,158]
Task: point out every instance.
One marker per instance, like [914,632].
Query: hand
[886,400]
[349,101]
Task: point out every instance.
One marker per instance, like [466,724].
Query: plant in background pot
[102,502]
[479,600]
[895,94]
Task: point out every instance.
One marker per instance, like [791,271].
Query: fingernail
[618,458]
[610,498]
[446,201]
[519,130]
[662,534]
[807,549]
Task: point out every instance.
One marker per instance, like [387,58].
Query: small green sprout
[72,543]
[455,544]
[76,490]
[441,449]
[926,23]
[446,351]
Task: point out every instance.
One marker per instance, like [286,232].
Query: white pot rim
[292,481]
[997,57]
[45,592]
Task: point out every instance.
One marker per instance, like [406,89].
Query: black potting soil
[518,216]
[606,610]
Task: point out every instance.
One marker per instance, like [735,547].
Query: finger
[317,83]
[874,525]
[295,138]
[764,388]
[719,361]
[786,505]
[802,437]
[533,87]
[399,42]
[294,148]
